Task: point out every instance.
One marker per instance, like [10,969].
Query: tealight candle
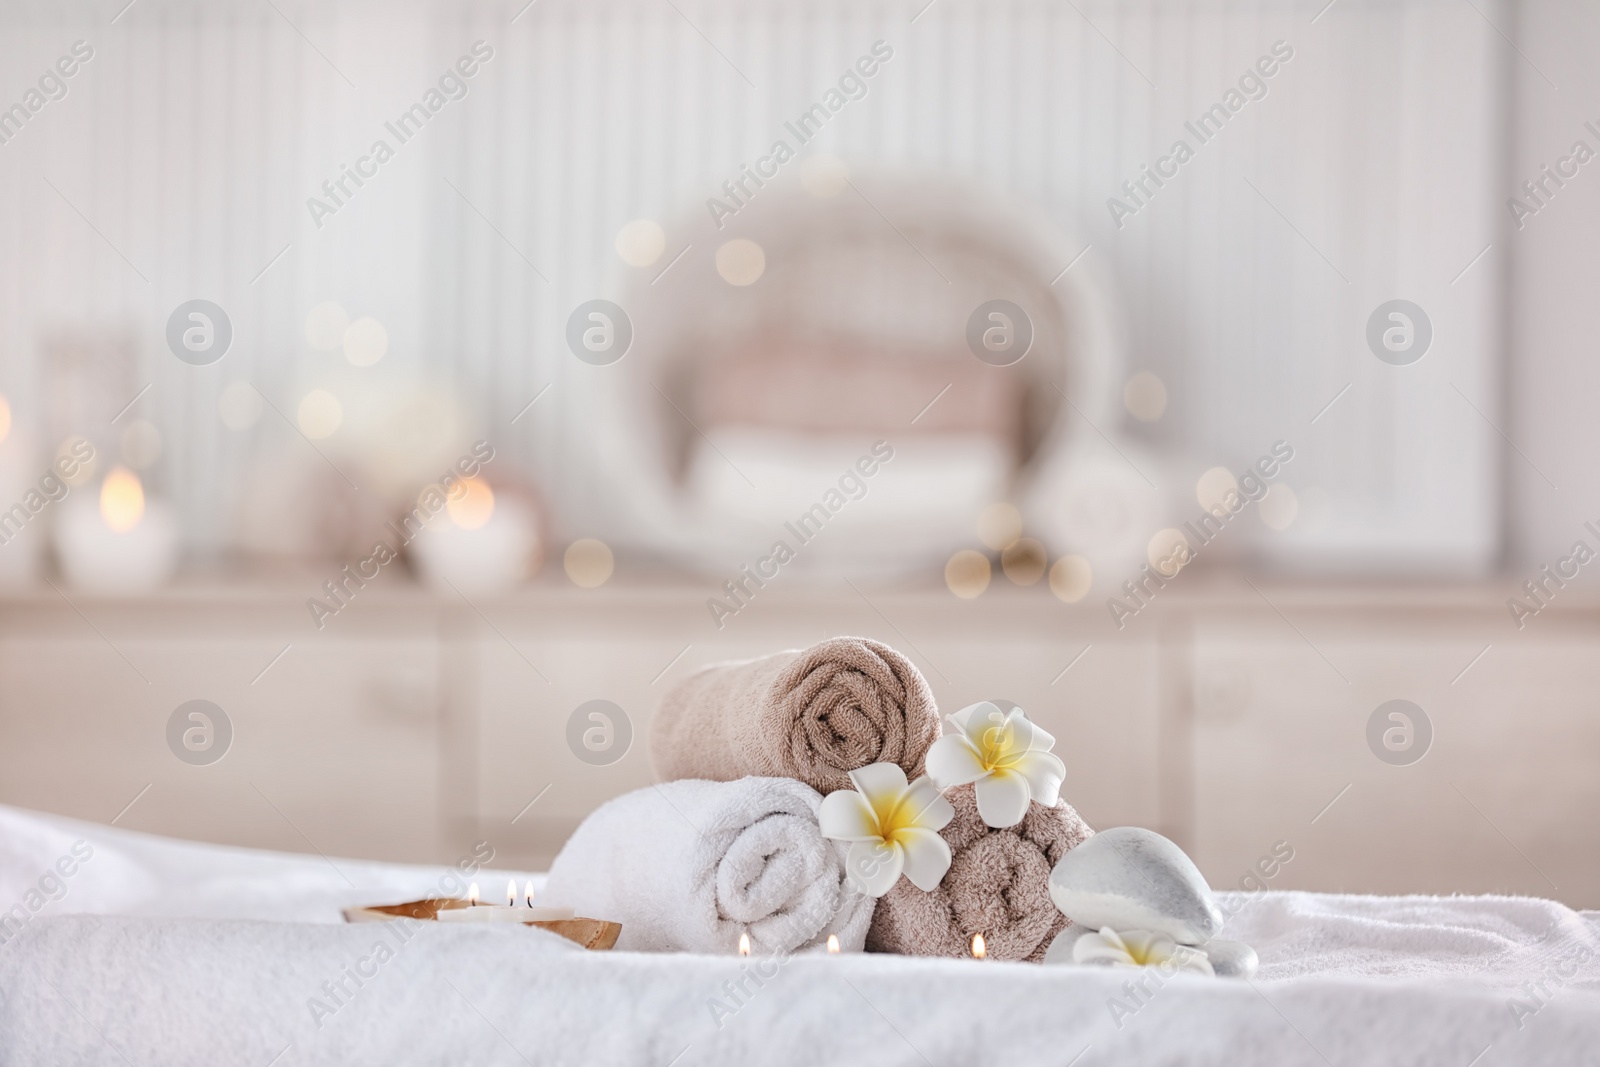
[833,944]
[481,543]
[122,543]
[979,949]
[475,912]
[744,944]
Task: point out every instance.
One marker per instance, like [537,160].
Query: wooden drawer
[333,748]
[1497,804]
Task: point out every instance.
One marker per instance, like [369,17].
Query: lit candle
[833,944]
[120,543]
[744,944]
[979,949]
[511,913]
[479,542]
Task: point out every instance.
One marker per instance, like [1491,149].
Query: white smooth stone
[1130,878]
[1231,959]
[1060,950]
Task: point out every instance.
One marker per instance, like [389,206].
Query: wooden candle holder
[596,934]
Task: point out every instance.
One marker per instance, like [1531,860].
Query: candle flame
[472,893]
[121,500]
[744,944]
[474,506]
[529,892]
[979,949]
[511,893]
[833,944]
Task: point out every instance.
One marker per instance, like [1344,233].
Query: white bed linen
[1344,980]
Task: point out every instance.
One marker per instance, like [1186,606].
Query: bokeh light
[1213,487]
[1168,551]
[319,414]
[641,242]
[999,525]
[1024,561]
[588,562]
[1071,578]
[741,261]
[967,573]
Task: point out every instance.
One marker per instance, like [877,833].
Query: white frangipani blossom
[1139,948]
[1006,757]
[893,829]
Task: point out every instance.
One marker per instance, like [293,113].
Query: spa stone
[1129,878]
[1060,950]
[1231,959]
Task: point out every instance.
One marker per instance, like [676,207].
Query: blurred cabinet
[334,733]
[411,726]
[1284,750]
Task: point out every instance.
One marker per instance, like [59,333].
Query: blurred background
[399,379]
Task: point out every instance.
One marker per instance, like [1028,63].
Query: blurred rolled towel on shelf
[782,422]
[937,483]
[815,715]
[997,886]
[690,865]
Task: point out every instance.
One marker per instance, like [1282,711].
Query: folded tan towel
[814,715]
[997,886]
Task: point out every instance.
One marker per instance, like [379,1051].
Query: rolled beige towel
[997,886]
[815,715]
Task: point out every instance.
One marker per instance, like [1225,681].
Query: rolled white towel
[690,865]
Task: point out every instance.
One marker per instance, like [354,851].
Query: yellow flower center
[1143,957]
[998,748]
[895,815]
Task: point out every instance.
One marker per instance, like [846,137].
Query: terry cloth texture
[690,865]
[814,715]
[997,886]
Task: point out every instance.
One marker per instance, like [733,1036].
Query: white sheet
[1344,980]
[140,874]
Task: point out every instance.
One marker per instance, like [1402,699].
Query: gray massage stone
[1231,959]
[1060,950]
[1129,878]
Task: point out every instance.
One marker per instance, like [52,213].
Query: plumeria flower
[893,829]
[1138,948]
[1007,757]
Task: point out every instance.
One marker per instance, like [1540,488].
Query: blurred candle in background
[483,542]
[121,500]
[117,541]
